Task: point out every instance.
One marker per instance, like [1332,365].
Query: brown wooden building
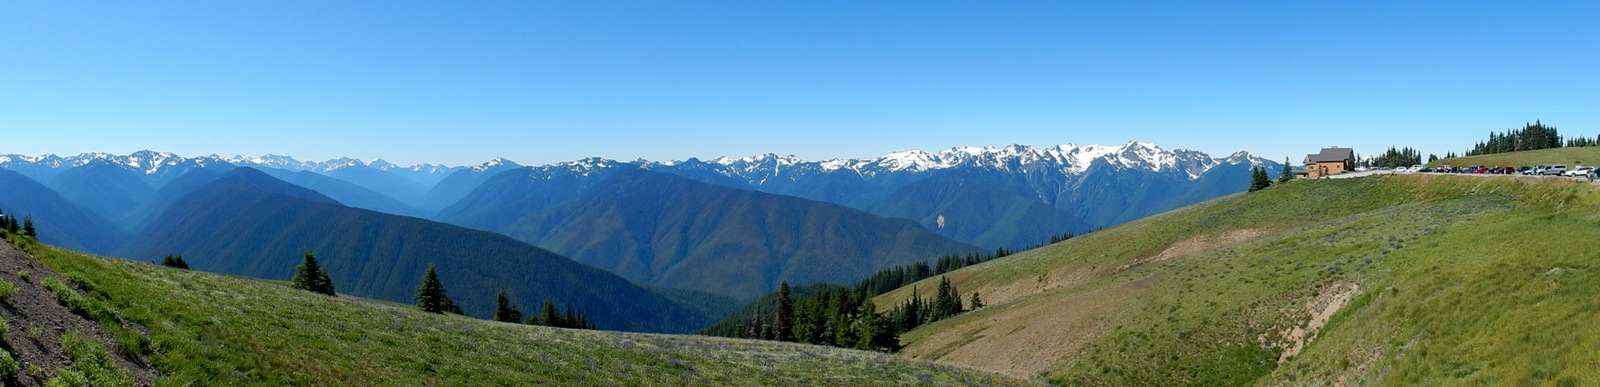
[1331,161]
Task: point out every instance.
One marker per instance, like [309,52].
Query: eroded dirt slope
[37,321]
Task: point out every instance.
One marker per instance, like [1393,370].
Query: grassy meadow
[1393,280]
[215,329]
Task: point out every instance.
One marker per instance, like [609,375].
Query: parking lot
[1394,171]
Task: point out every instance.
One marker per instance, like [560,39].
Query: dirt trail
[37,321]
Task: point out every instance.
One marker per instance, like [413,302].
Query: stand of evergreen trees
[549,317]
[1532,136]
[897,277]
[1394,158]
[8,223]
[505,311]
[847,317]
[1259,179]
[844,316]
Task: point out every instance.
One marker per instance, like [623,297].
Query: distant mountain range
[1010,197]
[730,226]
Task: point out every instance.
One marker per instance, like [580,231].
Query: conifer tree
[175,261]
[27,227]
[947,302]
[547,316]
[783,322]
[310,275]
[431,294]
[504,311]
[1258,179]
[976,301]
[1287,174]
[757,327]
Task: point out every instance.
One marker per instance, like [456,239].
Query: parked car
[1537,170]
[1556,169]
[1425,169]
[1580,171]
[1526,170]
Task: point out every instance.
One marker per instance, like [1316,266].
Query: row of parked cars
[1537,170]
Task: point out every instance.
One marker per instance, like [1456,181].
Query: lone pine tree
[1287,174]
[309,275]
[431,295]
[783,323]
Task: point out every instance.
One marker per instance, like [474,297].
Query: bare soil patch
[1197,244]
[37,321]
[1319,309]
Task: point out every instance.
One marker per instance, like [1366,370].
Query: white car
[1580,171]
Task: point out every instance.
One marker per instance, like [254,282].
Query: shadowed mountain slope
[57,219]
[981,207]
[667,230]
[248,223]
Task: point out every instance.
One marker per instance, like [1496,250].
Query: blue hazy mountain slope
[666,230]
[248,223]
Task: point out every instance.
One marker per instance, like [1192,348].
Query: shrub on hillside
[175,261]
[89,357]
[8,365]
[6,289]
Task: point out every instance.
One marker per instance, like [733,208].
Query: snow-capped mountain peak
[497,162]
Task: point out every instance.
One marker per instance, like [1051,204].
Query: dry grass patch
[1197,244]
[1027,337]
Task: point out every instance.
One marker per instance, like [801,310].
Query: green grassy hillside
[1569,156]
[215,329]
[1395,280]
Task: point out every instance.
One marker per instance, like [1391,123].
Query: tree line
[8,223]
[1393,158]
[888,279]
[1532,136]
[846,317]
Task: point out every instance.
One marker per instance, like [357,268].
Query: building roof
[1329,155]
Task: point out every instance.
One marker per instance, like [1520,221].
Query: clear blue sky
[462,82]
